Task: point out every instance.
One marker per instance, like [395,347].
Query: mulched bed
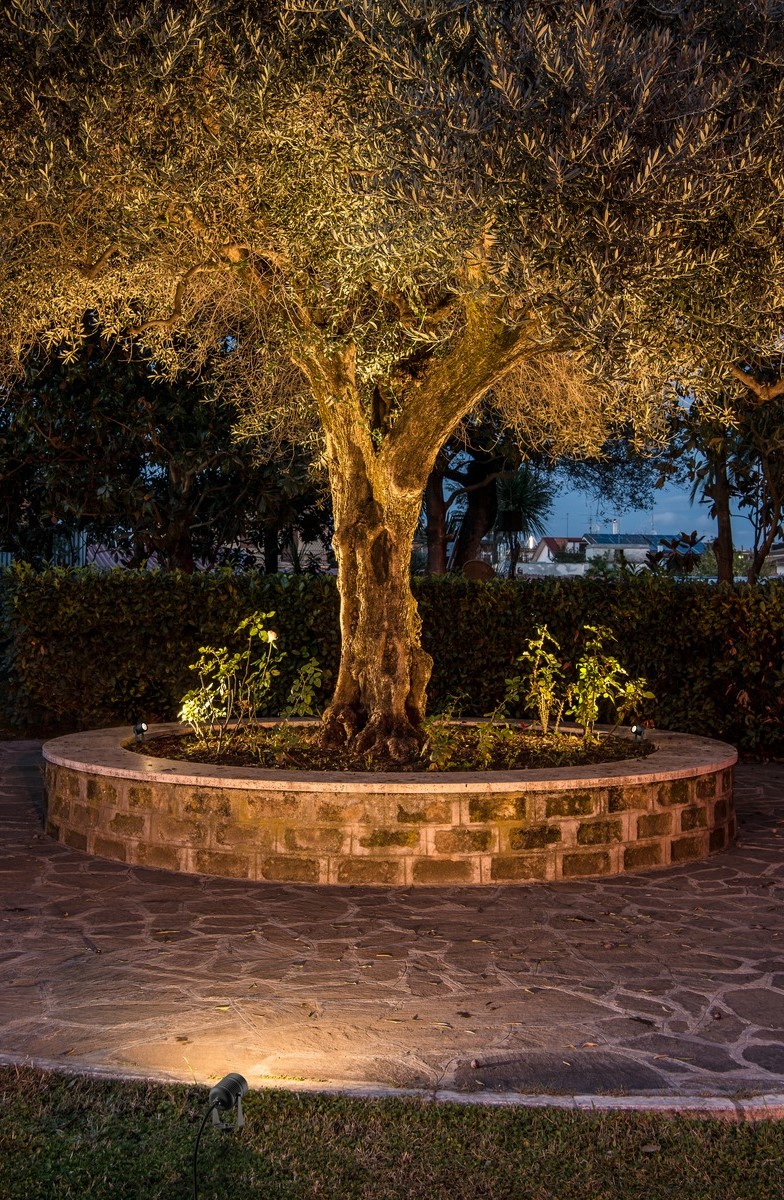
[515,750]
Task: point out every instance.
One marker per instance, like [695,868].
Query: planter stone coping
[101,752]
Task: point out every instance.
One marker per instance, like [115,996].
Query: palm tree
[525,499]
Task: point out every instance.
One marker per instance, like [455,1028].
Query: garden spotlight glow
[139,730]
[638,732]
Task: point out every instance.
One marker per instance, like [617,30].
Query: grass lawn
[64,1137]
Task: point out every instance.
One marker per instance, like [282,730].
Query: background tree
[395,208]
[461,496]
[524,501]
[145,466]
[731,450]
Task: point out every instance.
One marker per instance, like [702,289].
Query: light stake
[225,1095]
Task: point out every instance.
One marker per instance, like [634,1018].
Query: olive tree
[391,207]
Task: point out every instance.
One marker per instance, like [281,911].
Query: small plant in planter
[233,686]
[600,676]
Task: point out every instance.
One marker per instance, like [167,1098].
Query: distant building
[574,555]
[632,548]
[558,549]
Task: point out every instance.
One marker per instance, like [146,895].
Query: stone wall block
[651,854]
[623,799]
[285,868]
[352,810]
[108,847]
[413,810]
[461,840]
[721,810]
[68,783]
[101,792]
[369,872]
[519,868]
[685,848]
[58,805]
[146,854]
[74,839]
[654,824]
[694,817]
[243,838]
[147,797]
[599,833]
[446,870]
[533,837]
[177,831]
[718,839]
[705,786]
[204,802]
[573,804]
[274,806]
[496,807]
[577,865]
[325,840]
[396,840]
[675,791]
[128,824]
[230,865]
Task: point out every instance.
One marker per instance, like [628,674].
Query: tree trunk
[514,555]
[270,550]
[481,508]
[435,510]
[379,701]
[720,494]
[379,461]
[763,548]
[177,538]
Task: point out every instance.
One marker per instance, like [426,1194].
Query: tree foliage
[393,208]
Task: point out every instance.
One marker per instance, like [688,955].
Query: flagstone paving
[665,983]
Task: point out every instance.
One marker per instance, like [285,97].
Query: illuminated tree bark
[376,484]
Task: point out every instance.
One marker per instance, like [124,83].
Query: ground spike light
[638,732]
[139,730]
[225,1095]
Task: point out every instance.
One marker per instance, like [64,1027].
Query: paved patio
[666,984]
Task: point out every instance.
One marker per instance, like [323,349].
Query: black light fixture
[225,1095]
[638,732]
[139,730]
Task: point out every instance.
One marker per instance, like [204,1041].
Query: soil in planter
[510,749]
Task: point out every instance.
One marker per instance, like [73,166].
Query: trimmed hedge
[87,648]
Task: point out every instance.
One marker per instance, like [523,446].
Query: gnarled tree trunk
[379,700]
[378,467]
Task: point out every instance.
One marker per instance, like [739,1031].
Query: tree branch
[90,270]
[487,348]
[173,319]
[763,391]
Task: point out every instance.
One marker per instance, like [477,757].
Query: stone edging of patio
[766,1107]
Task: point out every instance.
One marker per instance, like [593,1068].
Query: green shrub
[87,648]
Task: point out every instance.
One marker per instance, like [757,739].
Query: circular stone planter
[487,827]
